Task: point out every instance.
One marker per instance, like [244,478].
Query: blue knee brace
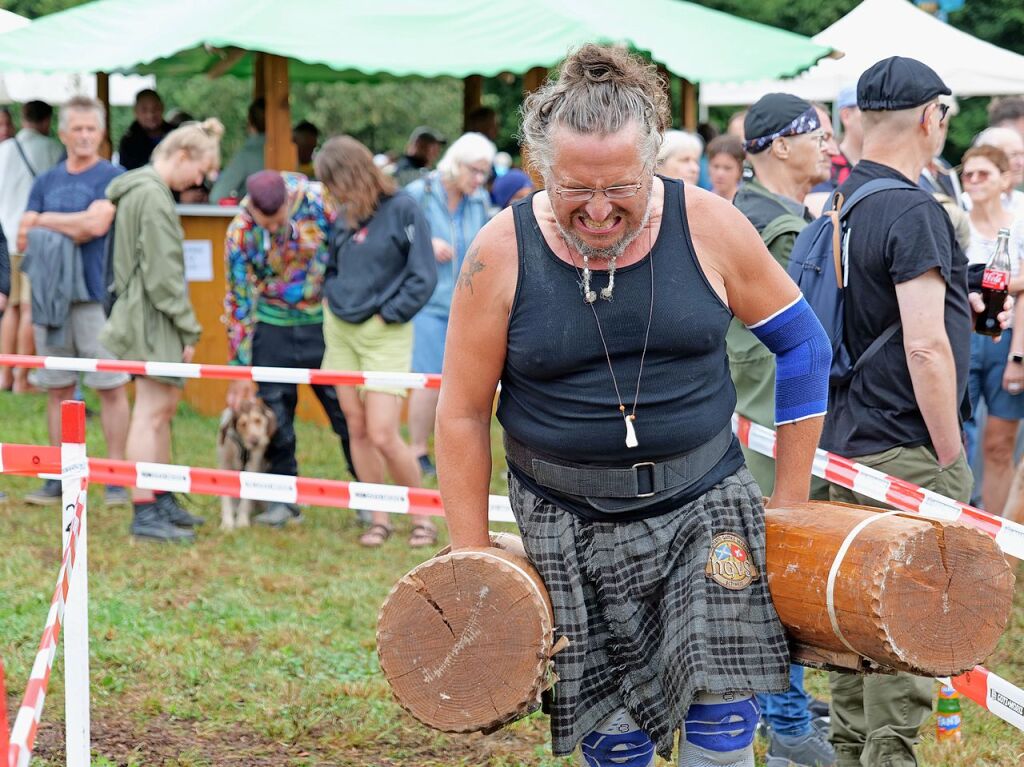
[618,742]
[722,727]
[803,358]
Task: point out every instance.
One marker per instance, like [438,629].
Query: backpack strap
[876,345]
[787,223]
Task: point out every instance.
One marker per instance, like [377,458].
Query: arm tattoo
[469,269]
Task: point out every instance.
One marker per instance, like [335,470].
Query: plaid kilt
[647,628]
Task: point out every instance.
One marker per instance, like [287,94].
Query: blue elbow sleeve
[803,357]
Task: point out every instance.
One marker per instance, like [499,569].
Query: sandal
[375,536]
[422,536]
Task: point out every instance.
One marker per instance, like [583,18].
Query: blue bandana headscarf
[803,123]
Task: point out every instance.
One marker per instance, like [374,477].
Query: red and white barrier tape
[894,491]
[992,693]
[23,735]
[393,499]
[29,459]
[227,372]
[5,741]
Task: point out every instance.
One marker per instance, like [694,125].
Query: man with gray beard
[601,305]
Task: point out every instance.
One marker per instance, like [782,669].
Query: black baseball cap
[898,83]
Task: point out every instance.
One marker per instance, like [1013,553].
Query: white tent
[56,89]
[877,29]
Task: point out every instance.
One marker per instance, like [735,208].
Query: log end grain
[465,640]
[944,599]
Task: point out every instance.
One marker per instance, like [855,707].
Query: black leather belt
[641,480]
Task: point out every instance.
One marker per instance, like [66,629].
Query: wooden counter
[205,228]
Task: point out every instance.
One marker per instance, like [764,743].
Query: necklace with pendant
[590,300]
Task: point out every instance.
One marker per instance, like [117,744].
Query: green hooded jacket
[152,318]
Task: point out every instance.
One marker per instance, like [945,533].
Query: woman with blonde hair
[380,273]
[152,318]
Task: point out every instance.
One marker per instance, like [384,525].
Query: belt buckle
[637,466]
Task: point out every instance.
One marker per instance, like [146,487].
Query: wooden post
[689,97]
[472,97]
[666,81]
[533,80]
[103,96]
[280,152]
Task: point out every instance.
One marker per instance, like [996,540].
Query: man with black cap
[786,147]
[901,414]
[421,153]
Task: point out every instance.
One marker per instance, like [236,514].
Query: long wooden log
[466,639]
[908,594]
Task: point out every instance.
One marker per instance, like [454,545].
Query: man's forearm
[80,227]
[794,455]
[463,447]
[933,375]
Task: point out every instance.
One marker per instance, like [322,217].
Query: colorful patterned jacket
[277,278]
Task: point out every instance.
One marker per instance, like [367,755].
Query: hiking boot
[49,493]
[116,496]
[149,521]
[811,750]
[174,513]
[426,467]
[279,515]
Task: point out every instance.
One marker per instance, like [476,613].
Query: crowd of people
[446,259]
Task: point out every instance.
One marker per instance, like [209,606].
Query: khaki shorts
[81,339]
[373,345]
[20,290]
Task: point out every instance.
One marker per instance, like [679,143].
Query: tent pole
[279,152]
[472,97]
[689,105]
[103,96]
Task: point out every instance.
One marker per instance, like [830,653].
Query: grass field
[257,648]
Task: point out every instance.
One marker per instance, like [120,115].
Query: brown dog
[241,444]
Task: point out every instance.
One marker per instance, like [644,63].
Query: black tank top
[557,395]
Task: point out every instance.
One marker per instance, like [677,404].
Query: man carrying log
[601,305]
[902,414]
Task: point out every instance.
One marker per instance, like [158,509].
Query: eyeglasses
[980,175]
[943,110]
[481,172]
[610,192]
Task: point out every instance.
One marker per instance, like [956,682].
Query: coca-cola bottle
[994,286]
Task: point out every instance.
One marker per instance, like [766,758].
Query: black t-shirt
[894,237]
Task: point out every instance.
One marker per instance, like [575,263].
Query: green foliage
[805,17]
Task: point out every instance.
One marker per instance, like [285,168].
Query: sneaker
[822,724]
[174,513]
[116,496]
[426,467]
[811,750]
[49,493]
[149,521]
[279,515]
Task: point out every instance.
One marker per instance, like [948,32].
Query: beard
[616,249]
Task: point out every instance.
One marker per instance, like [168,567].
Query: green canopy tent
[359,40]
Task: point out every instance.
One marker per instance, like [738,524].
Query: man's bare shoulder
[717,227]
[491,263]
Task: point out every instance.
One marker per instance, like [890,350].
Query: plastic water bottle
[947,722]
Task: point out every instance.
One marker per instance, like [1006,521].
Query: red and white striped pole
[5,740]
[74,466]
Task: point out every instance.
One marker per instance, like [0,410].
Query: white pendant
[630,432]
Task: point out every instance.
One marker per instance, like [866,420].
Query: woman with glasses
[152,318]
[457,205]
[997,369]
